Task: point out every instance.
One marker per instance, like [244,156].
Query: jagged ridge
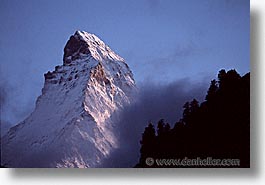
[72,124]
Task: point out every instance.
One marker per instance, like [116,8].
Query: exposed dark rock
[49,75]
[99,74]
[73,48]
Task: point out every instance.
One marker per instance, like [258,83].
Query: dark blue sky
[161,40]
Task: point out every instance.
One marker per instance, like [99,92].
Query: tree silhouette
[148,143]
[219,127]
[212,91]
[160,127]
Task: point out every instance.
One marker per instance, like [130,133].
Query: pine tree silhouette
[219,127]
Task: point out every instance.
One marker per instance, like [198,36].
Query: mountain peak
[85,36]
[83,45]
[74,123]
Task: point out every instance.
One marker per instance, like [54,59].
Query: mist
[153,102]
[17,100]
[4,88]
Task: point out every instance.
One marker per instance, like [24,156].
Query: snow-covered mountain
[73,124]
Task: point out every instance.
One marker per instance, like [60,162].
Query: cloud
[4,88]
[154,102]
[16,98]
[3,94]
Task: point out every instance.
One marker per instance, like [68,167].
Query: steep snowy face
[73,124]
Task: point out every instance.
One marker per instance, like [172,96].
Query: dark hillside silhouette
[219,127]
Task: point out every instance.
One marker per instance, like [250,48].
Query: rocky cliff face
[73,124]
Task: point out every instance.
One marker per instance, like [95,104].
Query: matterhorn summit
[74,121]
